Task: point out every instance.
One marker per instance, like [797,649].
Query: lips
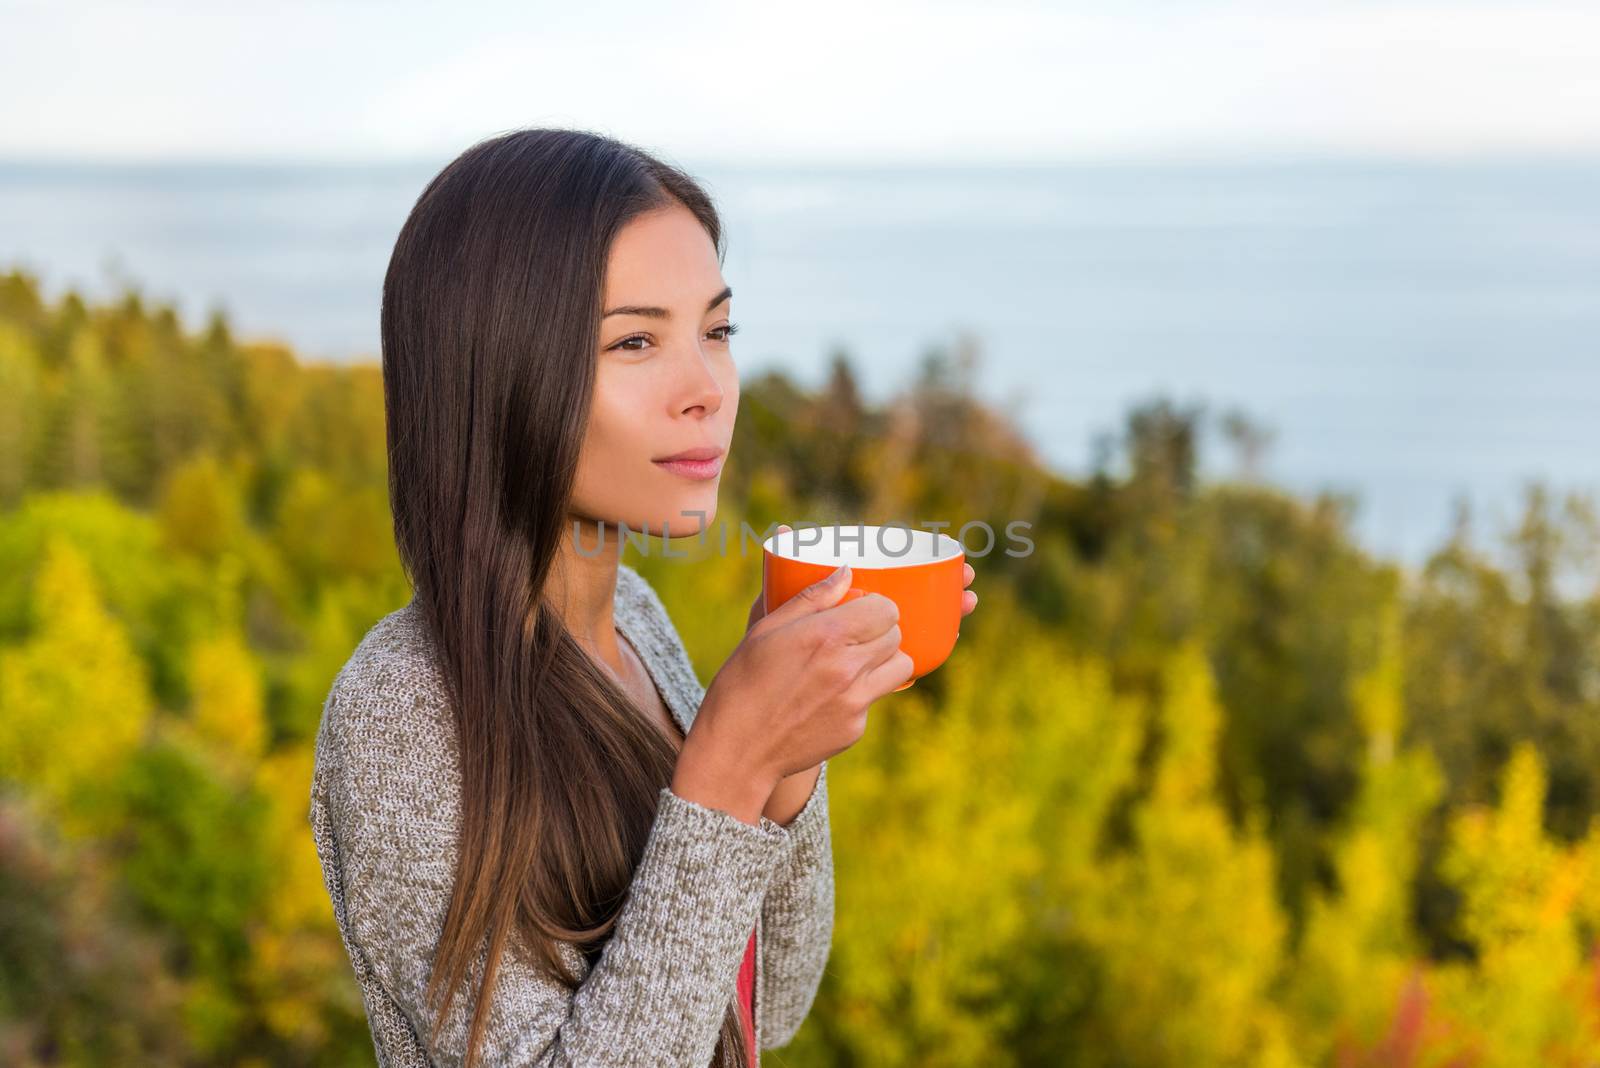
[704,452]
[698,465]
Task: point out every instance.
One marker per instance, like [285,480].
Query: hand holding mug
[793,693]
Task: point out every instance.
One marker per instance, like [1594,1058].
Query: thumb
[824,593]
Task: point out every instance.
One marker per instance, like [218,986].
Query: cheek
[616,449]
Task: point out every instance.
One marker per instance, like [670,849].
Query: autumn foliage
[1204,784]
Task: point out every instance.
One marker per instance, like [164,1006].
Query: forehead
[662,255]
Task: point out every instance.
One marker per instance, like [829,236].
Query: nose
[701,393]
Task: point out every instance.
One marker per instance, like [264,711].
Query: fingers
[881,665]
[862,620]
[967,574]
[886,675]
[876,650]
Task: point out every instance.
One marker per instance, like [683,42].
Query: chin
[683,526]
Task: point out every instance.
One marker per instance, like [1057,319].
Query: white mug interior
[862,545]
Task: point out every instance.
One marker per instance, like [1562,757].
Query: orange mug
[919,570]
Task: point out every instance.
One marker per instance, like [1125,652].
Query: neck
[582,586]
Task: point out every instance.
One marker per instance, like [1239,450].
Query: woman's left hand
[969,597]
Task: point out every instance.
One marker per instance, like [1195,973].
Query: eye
[625,344]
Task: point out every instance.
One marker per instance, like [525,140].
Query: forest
[1204,783]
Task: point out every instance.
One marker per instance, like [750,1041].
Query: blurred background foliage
[1203,784]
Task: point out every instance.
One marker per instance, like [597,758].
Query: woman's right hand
[794,692]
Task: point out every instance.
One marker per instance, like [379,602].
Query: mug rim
[925,547]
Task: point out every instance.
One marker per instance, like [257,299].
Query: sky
[852,81]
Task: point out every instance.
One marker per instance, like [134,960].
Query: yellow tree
[1359,950]
[227,712]
[200,511]
[296,972]
[1528,998]
[962,821]
[74,700]
[1188,923]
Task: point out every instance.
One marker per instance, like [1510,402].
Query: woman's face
[665,381]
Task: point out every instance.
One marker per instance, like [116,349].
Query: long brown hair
[490,328]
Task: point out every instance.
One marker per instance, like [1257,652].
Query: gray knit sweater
[385,809]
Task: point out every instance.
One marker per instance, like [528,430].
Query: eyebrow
[662,313]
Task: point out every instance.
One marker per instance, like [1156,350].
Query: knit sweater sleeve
[797,921]
[797,915]
[385,812]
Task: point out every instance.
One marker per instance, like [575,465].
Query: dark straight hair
[490,330]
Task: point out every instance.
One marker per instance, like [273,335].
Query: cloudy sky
[851,80]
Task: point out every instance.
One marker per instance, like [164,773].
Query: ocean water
[1409,333]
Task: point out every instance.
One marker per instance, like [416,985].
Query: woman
[520,785]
